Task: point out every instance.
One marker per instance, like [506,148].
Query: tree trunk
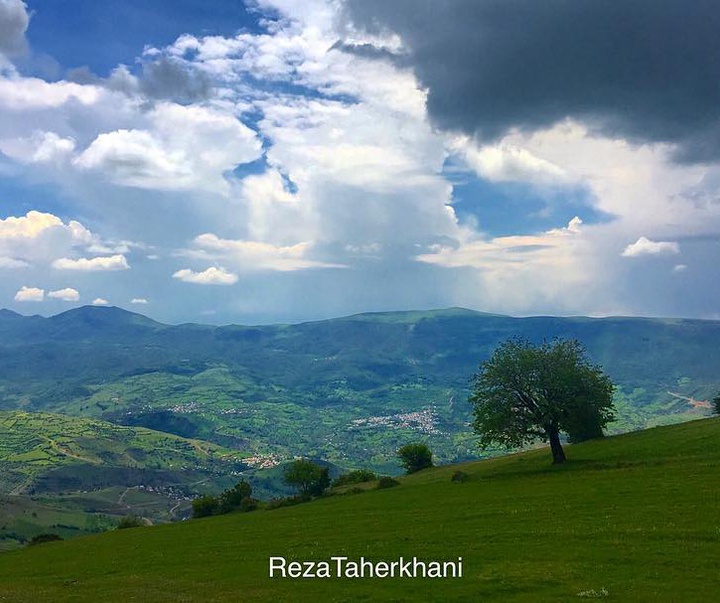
[556,448]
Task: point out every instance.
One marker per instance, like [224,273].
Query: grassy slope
[75,476]
[636,515]
[34,445]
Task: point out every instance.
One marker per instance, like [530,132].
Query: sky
[286,160]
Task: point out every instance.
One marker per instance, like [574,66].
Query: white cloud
[38,237]
[356,176]
[103,263]
[215,275]
[506,162]
[41,147]
[29,294]
[29,226]
[182,148]
[14,20]
[6,262]
[21,94]
[508,252]
[256,255]
[67,294]
[680,268]
[99,301]
[138,300]
[555,269]
[644,246]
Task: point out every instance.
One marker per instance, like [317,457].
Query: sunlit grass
[628,518]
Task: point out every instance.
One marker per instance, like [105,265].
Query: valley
[106,413]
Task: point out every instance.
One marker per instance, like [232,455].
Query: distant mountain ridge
[346,389]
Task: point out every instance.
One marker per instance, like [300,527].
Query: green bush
[237,498]
[248,504]
[40,538]
[387,482]
[233,498]
[205,506]
[287,501]
[359,476]
[130,521]
[414,457]
[308,477]
[459,477]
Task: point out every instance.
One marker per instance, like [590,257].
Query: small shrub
[248,504]
[287,501]
[358,476]
[414,457]
[387,482]
[40,538]
[233,498]
[205,506]
[355,490]
[459,477]
[130,521]
[237,498]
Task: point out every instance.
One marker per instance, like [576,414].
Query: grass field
[634,517]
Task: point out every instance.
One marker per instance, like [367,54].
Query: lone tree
[311,479]
[414,457]
[524,392]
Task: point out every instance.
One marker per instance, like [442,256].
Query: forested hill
[331,387]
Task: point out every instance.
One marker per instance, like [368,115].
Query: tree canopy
[414,457]
[309,478]
[525,392]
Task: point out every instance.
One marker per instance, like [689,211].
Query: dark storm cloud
[171,79]
[163,78]
[367,51]
[646,70]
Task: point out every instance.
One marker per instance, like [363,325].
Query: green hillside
[629,518]
[75,475]
[349,390]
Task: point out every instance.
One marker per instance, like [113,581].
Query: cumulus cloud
[67,294]
[502,253]
[138,300]
[215,275]
[183,148]
[99,301]
[29,226]
[644,246]
[103,263]
[172,78]
[41,147]
[508,163]
[29,294]
[528,65]
[353,171]
[21,94]
[14,20]
[38,237]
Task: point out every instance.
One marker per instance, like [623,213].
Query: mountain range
[349,390]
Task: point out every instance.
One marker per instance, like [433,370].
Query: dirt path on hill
[692,401]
